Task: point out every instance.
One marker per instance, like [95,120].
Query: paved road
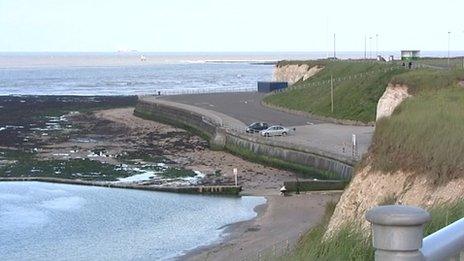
[245,107]
[310,132]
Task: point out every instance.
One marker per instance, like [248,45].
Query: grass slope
[354,99]
[424,135]
[349,243]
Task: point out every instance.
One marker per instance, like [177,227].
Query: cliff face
[391,98]
[371,188]
[295,72]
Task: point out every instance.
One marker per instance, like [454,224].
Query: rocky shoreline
[72,137]
[104,145]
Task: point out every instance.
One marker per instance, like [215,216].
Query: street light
[449,36]
[462,58]
[370,47]
[335,54]
[376,45]
[365,47]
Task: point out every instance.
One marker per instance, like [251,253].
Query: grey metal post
[397,232]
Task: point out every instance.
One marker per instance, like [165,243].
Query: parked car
[276,130]
[257,127]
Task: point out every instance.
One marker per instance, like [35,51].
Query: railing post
[397,232]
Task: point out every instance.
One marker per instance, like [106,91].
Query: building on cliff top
[407,55]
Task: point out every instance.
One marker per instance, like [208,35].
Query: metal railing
[347,149]
[398,235]
[447,242]
[203,90]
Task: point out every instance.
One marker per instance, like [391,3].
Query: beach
[280,220]
[280,223]
[102,135]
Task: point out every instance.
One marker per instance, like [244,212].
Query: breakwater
[212,126]
[216,190]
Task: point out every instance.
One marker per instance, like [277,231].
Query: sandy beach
[103,135]
[280,221]
[255,179]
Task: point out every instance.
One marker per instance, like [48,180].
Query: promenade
[236,110]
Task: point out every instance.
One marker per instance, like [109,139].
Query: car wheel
[268,135]
[284,134]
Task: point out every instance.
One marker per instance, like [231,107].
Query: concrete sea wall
[216,190]
[332,166]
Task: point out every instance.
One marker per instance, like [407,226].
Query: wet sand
[279,225]
[280,221]
[118,130]
[255,179]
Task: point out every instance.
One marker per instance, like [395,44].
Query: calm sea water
[130,80]
[42,221]
[127,74]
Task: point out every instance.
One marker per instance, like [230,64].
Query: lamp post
[335,54]
[449,37]
[376,45]
[370,47]
[365,47]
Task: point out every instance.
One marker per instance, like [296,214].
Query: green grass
[428,79]
[424,135]
[354,99]
[443,215]
[455,62]
[349,243]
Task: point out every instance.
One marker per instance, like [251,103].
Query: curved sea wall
[336,168]
[189,120]
[204,124]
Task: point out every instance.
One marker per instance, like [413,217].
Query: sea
[138,73]
[45,221]
[40,221]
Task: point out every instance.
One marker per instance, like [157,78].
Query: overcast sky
[228,25]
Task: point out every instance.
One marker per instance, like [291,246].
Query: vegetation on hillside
[424,134]
[358,86]
[349,243]
[454,62]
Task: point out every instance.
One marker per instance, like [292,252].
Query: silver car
[276,130]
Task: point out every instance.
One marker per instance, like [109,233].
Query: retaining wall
[216,190]
[315,185]
[333,166]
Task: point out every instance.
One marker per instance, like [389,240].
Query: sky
[229,25]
